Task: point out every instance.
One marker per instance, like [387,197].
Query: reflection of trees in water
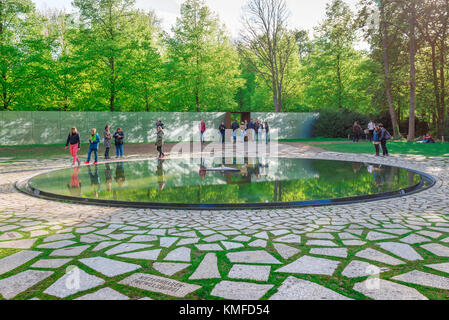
[277,191]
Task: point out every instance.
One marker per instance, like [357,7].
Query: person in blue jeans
[235,126]
[222,130]
[94,140]
[119,138]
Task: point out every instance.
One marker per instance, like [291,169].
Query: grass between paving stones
[337,282]
[438,149]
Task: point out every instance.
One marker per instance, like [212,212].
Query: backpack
[387,135]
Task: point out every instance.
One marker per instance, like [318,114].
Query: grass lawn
[319,139]
[394,147]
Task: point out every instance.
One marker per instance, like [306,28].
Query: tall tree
[268,45]
[105,24]
[203,65]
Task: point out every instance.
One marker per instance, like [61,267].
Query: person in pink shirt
[202,129]
[74,141]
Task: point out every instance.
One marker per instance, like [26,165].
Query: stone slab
[285,251]
[371,254]
[50,263]
[310,265]
[105,294]
[249,272]
[256,257]
[149,282]
[207,269]
[379,289]
[14,285]
[356,269]
[424,279]
[16,260]
[168,268]
[150,255]
[240,290]
[109,267]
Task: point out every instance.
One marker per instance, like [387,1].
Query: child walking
[160,142]
[94,140]
[75,145]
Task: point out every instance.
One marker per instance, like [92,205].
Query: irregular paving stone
[184,242]
[85,230]
[150,255]
[74,281]
[14,285]
[10,236]
[158,232]
[424,279]
[50,263]
[181,254]
[92,238]
[414,238]
[258,244]
[16,260]
[374,236]
[401,250]
[162,285]
[107,294]
[320,235]
[38,233]
[241,239]
[143,238]
[353,242]
[437,249]
[109,267]
[379,289]
[187,234]
[310,265]
[215,238]
[69,252]
[231,245]
[207,269]
[375,255]
[8,228]
[127,247]
[256,257]
[292,238]
[240,290]
[104,245]
[119,236]
[332,252]
[249,272]
[105,232]
[57,244]
[285,251]
[17,244]
[431,234]
[58,237]
[261,235]
[356,269]
[168,268]
[209,247]
[443,267]
[321,243]
[167,242]
[298,289]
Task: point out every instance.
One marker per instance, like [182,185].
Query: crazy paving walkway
[394,249]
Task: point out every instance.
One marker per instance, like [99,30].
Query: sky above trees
[305,14]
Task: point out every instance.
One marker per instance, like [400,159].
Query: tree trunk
[339,93]
[385,39]
[412,35]
[442,75]
[440,113]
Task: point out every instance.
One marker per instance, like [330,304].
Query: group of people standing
[376,134]
[74,144]
[255,127]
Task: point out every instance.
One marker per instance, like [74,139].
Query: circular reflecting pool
[228,183]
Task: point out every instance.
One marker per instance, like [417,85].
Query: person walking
[222,130]
[235,126]
[202,129]
[160,142]
[74,141]
[107,141]
[267,132]
[259,132]
[356,132]
[94,141]
[256,130]
[384,137]
[159,123]
[376,140]
[119,138]
[371,128]
[242,132]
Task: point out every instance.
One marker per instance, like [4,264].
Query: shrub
[337,123]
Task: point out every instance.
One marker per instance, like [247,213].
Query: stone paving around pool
[392,249]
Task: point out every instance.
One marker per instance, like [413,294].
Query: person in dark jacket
[267,132]
[94,141]
[74,141]
[384,137]
[222,130]
[235,126]
[159,123]
[376,140]
[160,142]
[107,141]
[356,132]
[119,138]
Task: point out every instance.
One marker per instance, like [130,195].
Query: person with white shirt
[371,128]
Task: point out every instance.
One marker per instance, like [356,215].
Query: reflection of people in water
[160,174]
[119,177]
[202,171]
[75,184]
[108,177]
[356,166]
[94,181]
